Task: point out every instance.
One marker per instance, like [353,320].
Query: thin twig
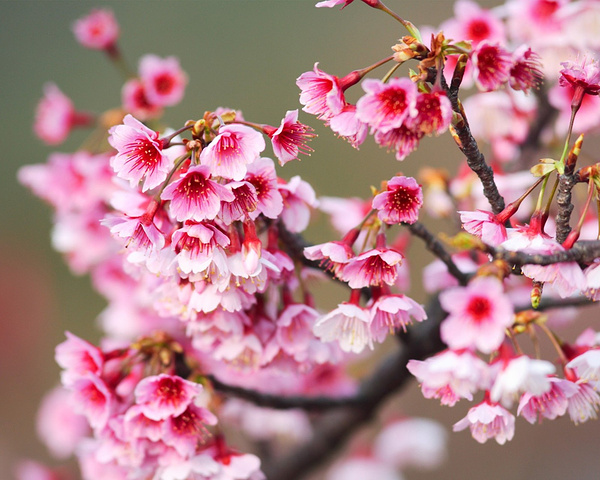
[582,252]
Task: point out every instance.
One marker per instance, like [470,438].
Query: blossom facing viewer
[99,30]
[401,201]
[486,421]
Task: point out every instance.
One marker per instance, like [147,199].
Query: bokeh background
[244,54]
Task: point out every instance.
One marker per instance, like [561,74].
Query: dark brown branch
[436,247]
[335,428]
[582,252]
[566,183]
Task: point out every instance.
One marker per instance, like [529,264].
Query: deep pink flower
[348,324]
[434,113]
[451,375]
[584,75]
[587,366]
[484,225]
[526,71]
[93,398]
[391,313]
[98,30]
[261,174]
[347,125]
[55,116]
[139,154]
[78,358]
[194,196]
[200,246]
[386,106]
[550,404]
[245,202]
[401,201]
[323,94]
[331,255]
[163,396]
[163,79]
[289,140]
[403,140]
[478,315]
[185,431]
[492,64]
[232,150]
[486,421]
[471,22]
[135,101]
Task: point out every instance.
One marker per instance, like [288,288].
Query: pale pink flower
[244,203]
[471,22]
[331,255]
[78,358]
[294,329]
[412,443]
[401,201]
[536,21]
[232,150]
[584,404]
[194,196]
[478,316]
[403,140]
[587,366]
[347,125]
[348,324]
[492,65]
[163,79]
[162,396]
[436,276]
[373,267]
[487,421]
[387,106]
[261,174]
[322,94]
[31,470]
[135,101]
[58,426]
[434,113]
[360,468]
[298,200]
[345,213]
[550,405]
[484,225]
[136,425]
[526,71]
[55,116]
[139,154]
[200,247]
[520,375]
[391,313]
[98,30]
[289,140]
[451,375]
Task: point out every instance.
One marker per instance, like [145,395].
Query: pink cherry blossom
[55,116]
[199,247]
[586,119]
[550,405]
[331,255]
[261,174]
[386,106]
[403,140]
[163,79]
[98,30]
[78,358]
[394,312]
[135,101]
[185,431]
[484,225]
[373,267]
[492,66]
[487,421]
[451,375]
[478,315]
[520,375]
[471,22]
[194,196]
[584,74]
[587,366]
[298,199]
[163,396]
[434,113]
[93,398]
[348,324]
[289,140]
[245,202]
[583,404]
[232,150]
[139,154]
[592,281]
[322,94]
[536,21]
[526,71]
[347,125]
[401,201]
[360,468]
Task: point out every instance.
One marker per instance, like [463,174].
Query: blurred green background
[240,54]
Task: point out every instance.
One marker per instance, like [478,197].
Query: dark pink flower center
[402,199]
[393,101]
[479,308]
[478,30]
[164,83]
[169,391]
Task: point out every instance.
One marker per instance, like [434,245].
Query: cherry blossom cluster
[195,240]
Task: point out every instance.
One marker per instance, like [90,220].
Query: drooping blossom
[583,75]
[487,421]
[98,30]
[583,404]
[394,312]
[478,315]
[331,255]
[451,375]
[526,71]
[401,201]
[348,324]
[78,358]
[245,202]
[195,196]
[261,174]
[298,199]
[163,79]
[135,101]
[347,125]
[93,398]
[139,154]
[550,405]
[471,22]
[232,150]
[373,267]
[289,140]
[592,281]
[322,94]
[403,140]
[163,396]
[434,112]
[520,375]
[185,431]
[386,106]
[484,225]
[55,116]
[492,66]
[587,366]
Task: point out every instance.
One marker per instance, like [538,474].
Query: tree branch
[582,252]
